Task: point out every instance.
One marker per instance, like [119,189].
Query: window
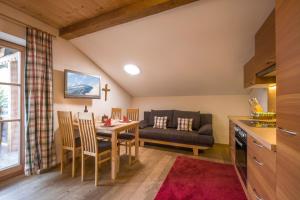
[11,113]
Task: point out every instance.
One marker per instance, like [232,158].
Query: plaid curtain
[40,149]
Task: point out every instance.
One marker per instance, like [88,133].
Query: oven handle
[239,143]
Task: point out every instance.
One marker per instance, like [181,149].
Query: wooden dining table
[115,130]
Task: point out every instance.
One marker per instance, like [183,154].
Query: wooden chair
[68,138]
[128,138]
[91,146]
[116,113]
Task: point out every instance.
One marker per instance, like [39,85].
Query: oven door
[241,158]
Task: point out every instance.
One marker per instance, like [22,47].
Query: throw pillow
[184,124]
[160,122]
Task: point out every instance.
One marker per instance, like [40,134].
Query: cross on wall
[105,90]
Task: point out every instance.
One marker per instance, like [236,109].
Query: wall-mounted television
[80,85]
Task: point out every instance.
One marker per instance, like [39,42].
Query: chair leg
[82,166]
[129,152]
[62,161]
[126,148]
[73,162]
[96,170]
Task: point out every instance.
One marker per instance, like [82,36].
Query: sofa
[201,137]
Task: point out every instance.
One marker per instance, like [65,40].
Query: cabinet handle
[259,145]
[257,162]
[293,133]
[256,195]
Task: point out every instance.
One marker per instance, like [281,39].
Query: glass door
[11,109]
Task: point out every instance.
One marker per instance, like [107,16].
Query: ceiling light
[132,69]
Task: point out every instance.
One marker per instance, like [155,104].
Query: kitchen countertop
[266,136]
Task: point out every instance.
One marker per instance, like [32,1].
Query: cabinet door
[249,73]
[288,99]
[232,140]
[265,44]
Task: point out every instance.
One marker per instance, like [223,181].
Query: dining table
[115,129]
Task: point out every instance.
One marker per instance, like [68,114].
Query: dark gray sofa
[200,138]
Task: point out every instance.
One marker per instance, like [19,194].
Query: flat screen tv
[80,85]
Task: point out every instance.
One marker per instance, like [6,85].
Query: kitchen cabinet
[249,73]
[264,54]
[288,99]
[261,170]
[265,44]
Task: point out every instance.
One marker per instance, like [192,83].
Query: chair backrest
[133,114]
[66,129]
[116,113]
[87,133]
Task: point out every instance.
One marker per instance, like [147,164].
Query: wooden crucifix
[105,90]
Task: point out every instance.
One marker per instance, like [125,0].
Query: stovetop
[259,124]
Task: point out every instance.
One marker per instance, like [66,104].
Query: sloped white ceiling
[197,49]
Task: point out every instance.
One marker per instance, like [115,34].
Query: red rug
[192,179]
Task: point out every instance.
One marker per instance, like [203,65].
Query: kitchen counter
[266,136]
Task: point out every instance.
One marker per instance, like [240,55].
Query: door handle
[256,196]
[257,162]
[259,145]
[289,132]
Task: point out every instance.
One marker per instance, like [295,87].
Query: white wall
[220,106]
[262,96]
[196,49]
[66,56]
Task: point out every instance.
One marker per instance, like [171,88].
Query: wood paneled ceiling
[76,18]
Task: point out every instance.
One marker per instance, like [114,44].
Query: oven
[241,152]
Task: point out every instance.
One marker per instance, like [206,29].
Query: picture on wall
[80,85]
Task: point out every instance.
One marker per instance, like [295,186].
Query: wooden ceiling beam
[141,8]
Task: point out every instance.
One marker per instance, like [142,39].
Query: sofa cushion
[205,119]
[172,135]
[147,117]
[161,113]
[184,124]
[206,130]
[187,114]
[143,124]
[160,122]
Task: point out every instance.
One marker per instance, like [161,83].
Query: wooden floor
[140,181]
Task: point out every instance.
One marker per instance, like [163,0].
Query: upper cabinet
[264,58]
[265,44]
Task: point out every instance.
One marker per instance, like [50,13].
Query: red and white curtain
[40,150]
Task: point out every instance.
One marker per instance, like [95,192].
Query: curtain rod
[18,22]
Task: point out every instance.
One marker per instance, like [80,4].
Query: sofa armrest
[143,124]
[206,130]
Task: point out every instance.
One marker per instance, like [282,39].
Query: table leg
[137,138]
[118,154]
[114,152]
